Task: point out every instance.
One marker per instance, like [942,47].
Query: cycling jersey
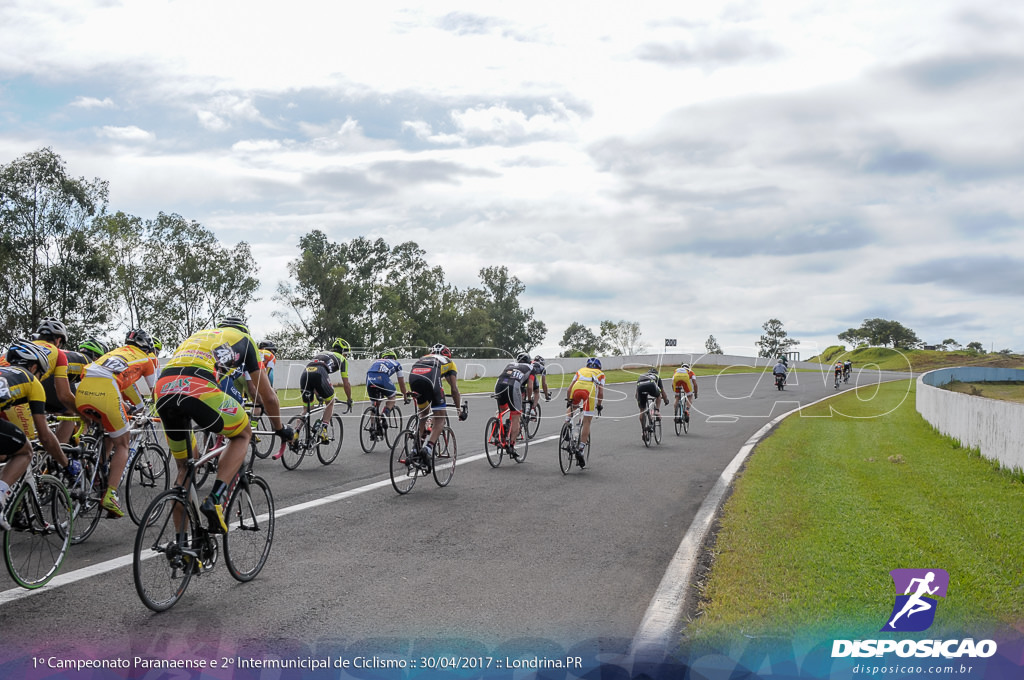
[509,386]
[57,360]
[378,378]
[267,362]
[332,361]
[21,397]
[213,353]
[584,387]
[648,386]
[425,379]
[684,379]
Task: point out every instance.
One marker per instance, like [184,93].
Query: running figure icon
[919,588]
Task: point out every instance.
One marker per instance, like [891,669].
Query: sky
[698,168]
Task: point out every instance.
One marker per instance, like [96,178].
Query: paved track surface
[519,557]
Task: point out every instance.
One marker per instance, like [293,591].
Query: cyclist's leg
[16,450]
[588,415]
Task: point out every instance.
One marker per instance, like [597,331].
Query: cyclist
[837,369]
[425,382]
[187,390]
[20,386]
[92,348]
[316,380]
[540,375]
[109,383]
[847,369]
[379,386]
[684,382]
[513,385]
[586,389]
[781,369]
[158,347]
[52,335]
[77,362]
[650,386]
[268,359]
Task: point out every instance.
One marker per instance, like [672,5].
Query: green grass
[826,507]
[918,360]
[1010,390]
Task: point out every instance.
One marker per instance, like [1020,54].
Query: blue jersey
[381,372]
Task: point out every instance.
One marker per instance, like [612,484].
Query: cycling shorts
[316,381]
[378,391]
[21,417]
[100,399]
[428,392]
[645,390]
[584,392]
[181,399]
[12,438]
[509,394]
[681,383]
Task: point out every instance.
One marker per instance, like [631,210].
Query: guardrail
[995,428]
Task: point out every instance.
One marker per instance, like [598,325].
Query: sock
[217,493]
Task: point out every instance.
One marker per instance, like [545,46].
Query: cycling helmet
[53,328]
[652,371]
[267,344]
[233,322]
[539,360]
[593,362]
[523,358]
[686,366]
[157,345]
[442,350]
[388,354]
[25,352]
[341,346]
[140,339]
[92,348]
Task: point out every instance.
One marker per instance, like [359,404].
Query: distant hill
[919,359]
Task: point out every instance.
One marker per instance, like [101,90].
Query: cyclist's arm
[453,382]
[62,387]
[267,396]
[401,386]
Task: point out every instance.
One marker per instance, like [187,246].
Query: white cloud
[93,103]
[128,133]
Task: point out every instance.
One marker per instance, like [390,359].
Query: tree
[622,338]
[949,343]
[975,347]
[885,333]
[775,341]
[506,328]
[578,340]
[47,247]
[855,336]
[712,345]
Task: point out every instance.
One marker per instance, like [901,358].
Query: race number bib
[115,365]
[5,391]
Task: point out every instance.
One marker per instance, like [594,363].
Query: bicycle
[837,379]
[681,415]
[262,441]
[780,381]
[846,376]
[531,418]
[173,543]
[650,423]
[496,437]
[407,463]
[309,438]
[569,440]
[42,523]
[374,426]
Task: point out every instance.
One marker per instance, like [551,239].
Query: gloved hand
[406,398]
[463,414]
[349,405]
[286,433]
[599,409]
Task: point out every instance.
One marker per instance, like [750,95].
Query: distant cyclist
[539,378]
[684,384]
[511,388]
[425,378]
[837,370]
[781,369]
[586,390]
[650,386]
[315,382]
[847,369]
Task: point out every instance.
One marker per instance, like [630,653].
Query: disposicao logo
[914,610]
[917,593]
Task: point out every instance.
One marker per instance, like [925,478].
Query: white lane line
[126,560]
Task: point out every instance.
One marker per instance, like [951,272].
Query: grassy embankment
[1010,390]
[826,507]
[918,360]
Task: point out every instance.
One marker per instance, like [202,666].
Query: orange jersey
[125,365]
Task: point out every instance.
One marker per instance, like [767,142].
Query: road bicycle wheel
[492,442]
[149,474]
[524,443]
[328,451]
[566,450]
[677,418]
[657,430]
[263,444]
[250,519]
[367,430]
[295,451]
[645,428]
[533,423]
[163,561]
[403,471]
[86,493]
[41,528]
[393,423]
[445,454]
[686,420]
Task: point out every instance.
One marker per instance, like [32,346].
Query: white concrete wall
[286,374]
[994,427]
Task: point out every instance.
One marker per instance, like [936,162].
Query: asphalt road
[519,557]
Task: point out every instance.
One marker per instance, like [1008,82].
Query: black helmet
[140,339]
[233,322]
[53,328]
[538,360]
[442,350]
[523,358]
[267,344]
[26,352]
